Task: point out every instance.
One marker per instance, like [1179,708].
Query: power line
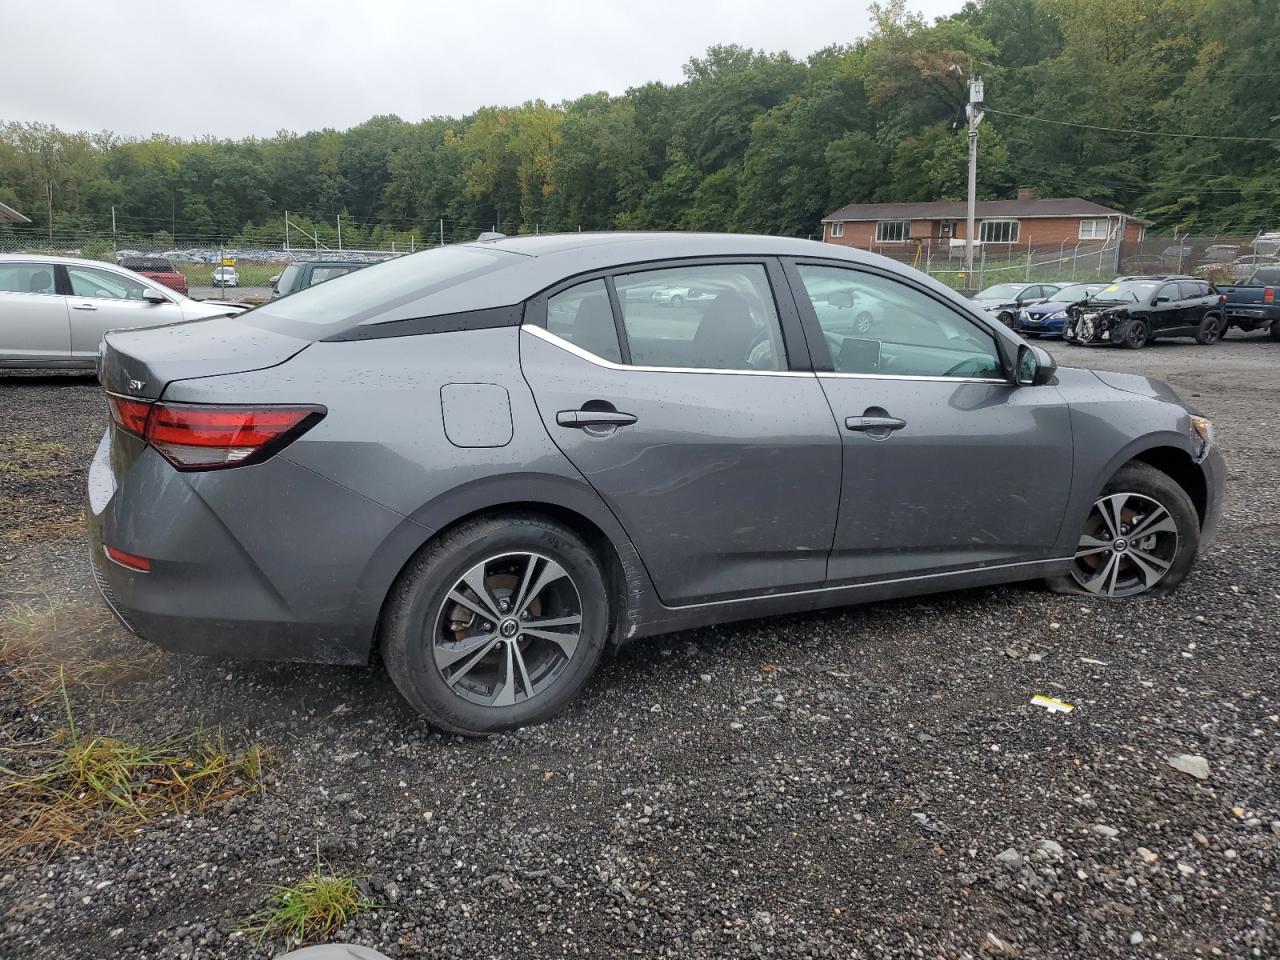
[1144,133]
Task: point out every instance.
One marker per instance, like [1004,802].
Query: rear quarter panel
[384,437]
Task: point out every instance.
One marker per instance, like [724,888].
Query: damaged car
[1134,311]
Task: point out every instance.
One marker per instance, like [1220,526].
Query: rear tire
[462,657]
[1157,529]
[1209,331]
[1274,330]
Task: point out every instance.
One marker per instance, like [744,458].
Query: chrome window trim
[822,374]
[875,583]
[577,351]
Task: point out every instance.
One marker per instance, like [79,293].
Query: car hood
[204,309]
[1143,386]
[1046,307]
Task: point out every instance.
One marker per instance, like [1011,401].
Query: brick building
[1004,224]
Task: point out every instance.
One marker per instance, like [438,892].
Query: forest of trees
[748,141]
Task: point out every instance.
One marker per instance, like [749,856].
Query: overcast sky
[235,68]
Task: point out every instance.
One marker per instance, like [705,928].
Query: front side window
[1093,229]
[893,231]
[26,278]
[998,231]
[837,229]
[582,316]
[874,325]
[1169,292]
[97,284]
[716,317]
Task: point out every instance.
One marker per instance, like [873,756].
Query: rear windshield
[1267,275]
[327,309]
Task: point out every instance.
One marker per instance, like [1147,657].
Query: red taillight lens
[130,560]
[129,415]
[207,437]
[1269,295]
[195,437]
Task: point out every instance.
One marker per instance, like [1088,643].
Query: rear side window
[26,278]
[712,317]
[1192,291]
[321,274]
[582,316]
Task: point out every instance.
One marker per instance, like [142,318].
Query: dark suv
[1133,311]
[299,276]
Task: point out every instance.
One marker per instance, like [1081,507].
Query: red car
[158,269]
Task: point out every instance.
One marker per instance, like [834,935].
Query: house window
[837,229]
[893,231]
[1093,229]
[998,231]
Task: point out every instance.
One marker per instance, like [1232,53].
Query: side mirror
[1159,300]
[840,298]
[1035,367]
[154,296]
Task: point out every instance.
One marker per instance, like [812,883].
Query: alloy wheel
[1136,336]
[1130,541]
[507,629]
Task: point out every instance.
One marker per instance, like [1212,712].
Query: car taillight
[1269,295]
[212,436]
[129,415]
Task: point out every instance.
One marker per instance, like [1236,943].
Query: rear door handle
[594,418]
[866,424]
[84,306]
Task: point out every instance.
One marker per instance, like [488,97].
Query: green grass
[310,909]
[75,787]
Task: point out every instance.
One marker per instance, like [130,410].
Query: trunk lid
[141,363]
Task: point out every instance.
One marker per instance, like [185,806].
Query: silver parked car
[54,310]
[491,463]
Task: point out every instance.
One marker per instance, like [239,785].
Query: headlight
[1201,432]
[1060,315]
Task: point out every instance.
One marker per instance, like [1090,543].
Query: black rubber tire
[1273,331]
[1138,477]
[1130,342]
[677,301]
[1209,331]
[409,616]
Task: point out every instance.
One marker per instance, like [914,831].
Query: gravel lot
[862,783]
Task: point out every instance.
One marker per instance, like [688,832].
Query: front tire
[1137,335]
[1140,538]
[497,624]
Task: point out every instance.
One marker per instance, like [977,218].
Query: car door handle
[84,306]
[594,418]
[867,424]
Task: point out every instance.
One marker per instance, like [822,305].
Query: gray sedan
[492,462]
[54,310]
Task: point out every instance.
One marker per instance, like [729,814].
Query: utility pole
[339,231]
[442,231]
[286,230]
[975,118]
[113,231]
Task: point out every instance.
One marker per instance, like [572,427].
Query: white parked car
[54,310]
[226,277]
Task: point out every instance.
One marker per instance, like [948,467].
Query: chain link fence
[1216,258]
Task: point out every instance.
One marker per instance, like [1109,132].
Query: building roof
[956,210]
[10,215]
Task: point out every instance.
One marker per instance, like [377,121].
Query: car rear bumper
[266,562]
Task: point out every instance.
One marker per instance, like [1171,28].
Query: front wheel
[1140,538]
[496,625]
[1210,330]
[1136,337]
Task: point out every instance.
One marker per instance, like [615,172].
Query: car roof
[633,246]
[46,258]
[332,263]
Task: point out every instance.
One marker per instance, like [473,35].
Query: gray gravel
[871,782]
